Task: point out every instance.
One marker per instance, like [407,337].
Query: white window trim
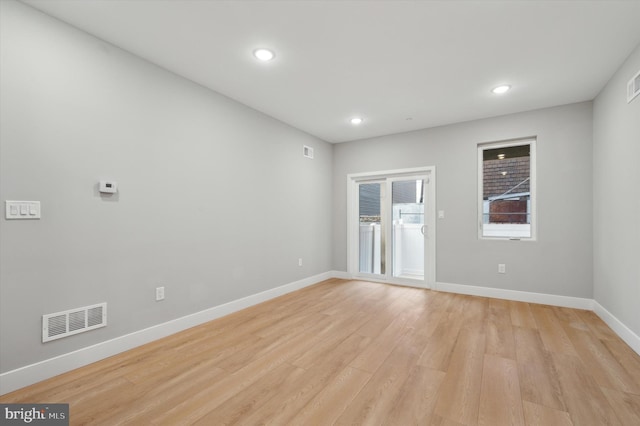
[531,141]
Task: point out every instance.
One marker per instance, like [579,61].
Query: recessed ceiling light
[501,89]
[503,173]
[264,54]
[356,120]
[500,156]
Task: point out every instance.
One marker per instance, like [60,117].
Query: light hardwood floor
[353,352]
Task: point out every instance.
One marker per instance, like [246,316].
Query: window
[507,189]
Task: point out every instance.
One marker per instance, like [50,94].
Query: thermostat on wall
[108,186]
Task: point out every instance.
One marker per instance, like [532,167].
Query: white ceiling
[401,65]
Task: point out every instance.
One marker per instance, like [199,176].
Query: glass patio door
[408,228]
[371,240]
[389,230]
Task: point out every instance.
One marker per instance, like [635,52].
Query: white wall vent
[633,87]
[73,321]
[307,151]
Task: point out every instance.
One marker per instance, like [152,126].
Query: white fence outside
[370,248]
[408,258]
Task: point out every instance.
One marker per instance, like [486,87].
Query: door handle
[423,229]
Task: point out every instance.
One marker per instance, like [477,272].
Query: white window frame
[531,141]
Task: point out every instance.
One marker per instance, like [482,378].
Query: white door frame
[353,225]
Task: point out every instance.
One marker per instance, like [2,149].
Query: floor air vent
[73,321]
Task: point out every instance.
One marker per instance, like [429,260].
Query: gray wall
[216,200]
[559,262]
[616,201]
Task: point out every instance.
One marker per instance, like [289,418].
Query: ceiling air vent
[633,87]
[307,151]
[73,321]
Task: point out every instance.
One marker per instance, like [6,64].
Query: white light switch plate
[22,210]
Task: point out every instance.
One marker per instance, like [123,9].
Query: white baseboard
[520,296]
[39,371]
[341,274]
[30,374]
[624,332]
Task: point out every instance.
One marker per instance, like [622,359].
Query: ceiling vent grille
[73,321]
[633,87]
[307,151]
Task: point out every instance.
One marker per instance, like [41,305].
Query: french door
[391,226]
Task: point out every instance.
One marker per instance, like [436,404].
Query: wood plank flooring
[359,353]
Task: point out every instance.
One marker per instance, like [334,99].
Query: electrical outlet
[502,268]
[300,262]
[159,293]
